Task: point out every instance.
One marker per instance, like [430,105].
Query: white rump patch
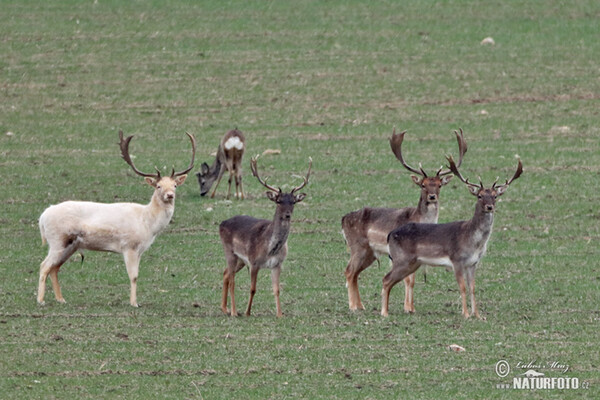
[234,142]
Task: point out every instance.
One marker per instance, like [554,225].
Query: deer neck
[158,213]
[428,211]
[481,226]
[279,234]
[216,165]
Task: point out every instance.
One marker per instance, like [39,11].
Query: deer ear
[204,168]
[271,196]
[500,190]
[180,179]
[474,190]
[299,197]
[151,181]
[416,179]
[446,179]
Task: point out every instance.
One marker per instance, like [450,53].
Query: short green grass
[328,80]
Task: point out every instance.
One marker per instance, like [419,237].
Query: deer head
[164,186]
[285,200]
[486,197]
[430,185]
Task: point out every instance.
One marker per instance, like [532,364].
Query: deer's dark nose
[432,197]
[489,207]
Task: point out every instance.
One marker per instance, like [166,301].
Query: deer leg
[458,273]
[471,282]
[238,181]
[53,262]
[275,272]
[132,263]
[56,285]
[400,270]
[221,171]
[229,181]
[226,277]
[360,260]
[232,295]
[253,275]
[409,298]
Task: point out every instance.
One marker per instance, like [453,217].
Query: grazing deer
[229,156]
[258,243]
[459,245]
[126,228]
[366,230]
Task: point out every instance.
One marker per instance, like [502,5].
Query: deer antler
[185,171]
[517,174]
[396,145]
[454,170]
[462,149]
[255,173]
[124,144]
[306,178]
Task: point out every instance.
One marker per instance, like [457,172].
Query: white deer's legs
[275,272]
[51,265]
[56,285]
[132,262]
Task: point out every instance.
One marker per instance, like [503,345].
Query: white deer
[126,228]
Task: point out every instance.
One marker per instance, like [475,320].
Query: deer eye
[480,197]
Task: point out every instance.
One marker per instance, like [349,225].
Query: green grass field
[328,80]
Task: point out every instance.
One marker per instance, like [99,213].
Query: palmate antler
[124,145]
[501,188]
[396,145]
[254,170]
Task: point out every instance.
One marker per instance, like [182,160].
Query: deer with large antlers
[459,245]
[229,157]
[126,228]
[258,243]
[366,230]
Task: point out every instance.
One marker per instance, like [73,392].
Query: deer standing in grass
[366,230]
[258,243]
[229,156]
[459,245]
[126,228]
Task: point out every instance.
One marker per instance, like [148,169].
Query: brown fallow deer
[126,228]
[459,245]
[229,156]
[258,243]
[366,230]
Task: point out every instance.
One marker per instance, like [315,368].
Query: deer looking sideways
[366,230]
[229,156]
[258,243]
[459,245]
[126,228]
